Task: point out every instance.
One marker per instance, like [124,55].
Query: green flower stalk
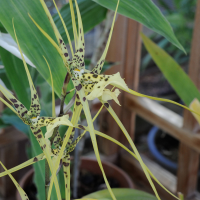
[88,85]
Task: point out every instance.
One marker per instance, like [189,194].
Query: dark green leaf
[146,13]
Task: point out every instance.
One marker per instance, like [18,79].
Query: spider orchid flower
[90,85]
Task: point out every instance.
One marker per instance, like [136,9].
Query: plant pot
[91,165]
[166,162]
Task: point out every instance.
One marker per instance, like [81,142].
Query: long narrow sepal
[57,34]
[8,105]
[130,152]
[35,105]
[23,195]
[111,111]
[73,23]
[80,48]
[53,43]
[53,95]
[74,121]
[161,99]
[66,31]
[23,165]
[21,109]
[84,102]
[97,69]
[66,173]
[42,142]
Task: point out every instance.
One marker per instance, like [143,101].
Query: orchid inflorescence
[88,86]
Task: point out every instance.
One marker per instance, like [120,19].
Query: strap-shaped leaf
[172,72]
[21,191]
[145,12]
[97,69]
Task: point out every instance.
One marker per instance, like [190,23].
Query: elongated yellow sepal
[196,112]
[97,69]
[23,195]
[7,104]
[74,121]
[111,111]
[34,95]
[53,95]
[66,31]
[73,23]
[23,165]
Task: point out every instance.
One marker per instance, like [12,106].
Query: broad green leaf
[14,70]
[179,80]
[145,12]
[121,194]
[91,14]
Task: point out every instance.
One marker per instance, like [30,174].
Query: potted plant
[72,82]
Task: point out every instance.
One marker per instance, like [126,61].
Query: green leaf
[179,80]
[32,42]
[121,194]
[146,13]
[8,117]
[15,69]
[91,13]
[2,29]
[4,78]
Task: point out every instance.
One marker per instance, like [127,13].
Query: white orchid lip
[34,120]
[78,73]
